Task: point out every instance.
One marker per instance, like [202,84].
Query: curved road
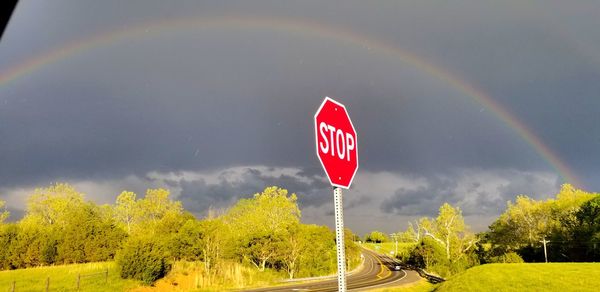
[376,272]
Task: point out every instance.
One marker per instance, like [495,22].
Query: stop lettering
[337,142]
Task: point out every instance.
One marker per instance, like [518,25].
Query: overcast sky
[215,101]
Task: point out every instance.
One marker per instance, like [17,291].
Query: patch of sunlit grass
[526,277]
[100,276]
[420,286]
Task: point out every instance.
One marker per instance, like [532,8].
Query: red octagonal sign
[337,145]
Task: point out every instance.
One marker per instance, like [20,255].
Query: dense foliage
[146,235]
[376,237]
[569,224]
[59,227]
[443,245]
[143,258]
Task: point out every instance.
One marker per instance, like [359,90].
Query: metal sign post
[339,238]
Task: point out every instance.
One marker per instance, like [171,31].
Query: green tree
[212,239]
[291,249]
[261,222]
[156,205]
[376,237]
[450,231]
[202,240]
[3,212]
[126,209]
[50,205]
[429,255]
[65,228]
[526,222]
[144,258]
[49,218]
[318,256]
[580,235]
[8,237]
[33,245]
[352,250]
[410,235]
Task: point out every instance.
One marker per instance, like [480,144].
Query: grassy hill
[92,277]
[526,277]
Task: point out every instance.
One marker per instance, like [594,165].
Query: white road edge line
[375,286]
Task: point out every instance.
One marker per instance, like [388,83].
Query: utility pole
[545,253]
[395,237]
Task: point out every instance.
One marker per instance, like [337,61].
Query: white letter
[324,144]
[349,144]
[341,151]
[331,130]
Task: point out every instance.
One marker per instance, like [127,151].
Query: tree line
[568,224]
[147,235]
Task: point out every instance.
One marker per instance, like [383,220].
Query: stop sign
[336,143]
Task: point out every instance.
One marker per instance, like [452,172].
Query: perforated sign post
[337,149]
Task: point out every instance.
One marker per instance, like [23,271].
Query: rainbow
[302,28]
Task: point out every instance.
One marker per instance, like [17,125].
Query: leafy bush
[376,236]
[143,258]
[427,254]
[431,256]
[509,257]
[404,250]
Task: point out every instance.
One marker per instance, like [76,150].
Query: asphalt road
[376,272]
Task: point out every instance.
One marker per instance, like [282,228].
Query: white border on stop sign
[317,140]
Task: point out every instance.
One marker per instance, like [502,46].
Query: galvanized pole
[545,253]
[339,238]
[395,237]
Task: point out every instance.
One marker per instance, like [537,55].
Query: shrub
[431,256]
[427,254]
[143,258]
[509,257]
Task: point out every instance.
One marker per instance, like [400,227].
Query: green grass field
[526,277]
[64,278]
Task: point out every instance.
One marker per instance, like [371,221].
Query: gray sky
[214,100]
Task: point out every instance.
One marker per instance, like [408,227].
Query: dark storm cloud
[351,203]
[207,100]
[230,185]
[480,193]
[422,201]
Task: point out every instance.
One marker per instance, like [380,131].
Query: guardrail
[432,278]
